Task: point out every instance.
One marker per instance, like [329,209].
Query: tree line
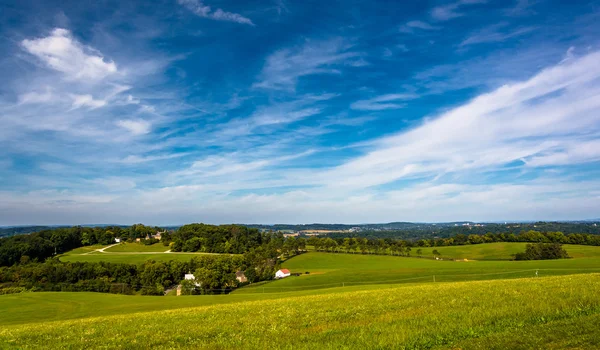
[232,239]
[404,247]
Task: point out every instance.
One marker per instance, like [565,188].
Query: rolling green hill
[329,270]
[551,312]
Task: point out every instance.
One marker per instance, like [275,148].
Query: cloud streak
[202,10]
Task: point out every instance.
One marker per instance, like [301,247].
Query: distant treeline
[404,247]
[429,231]
[214,274]
[21,230]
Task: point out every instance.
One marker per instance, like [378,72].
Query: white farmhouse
[282,273]
[189,276]
[117,240]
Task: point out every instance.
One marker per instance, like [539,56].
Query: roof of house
[239,274]
[285,270]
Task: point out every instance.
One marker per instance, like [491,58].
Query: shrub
[542,251]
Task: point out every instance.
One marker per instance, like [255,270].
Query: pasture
[549,312]
[329,270]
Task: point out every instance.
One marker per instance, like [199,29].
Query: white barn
[282,273]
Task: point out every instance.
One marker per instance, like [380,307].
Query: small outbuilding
[283,273]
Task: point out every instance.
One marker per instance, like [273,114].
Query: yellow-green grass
[529,313]
[499,251]
[55,306]
[137,247]
[335,270]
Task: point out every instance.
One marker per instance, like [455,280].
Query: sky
[287,111]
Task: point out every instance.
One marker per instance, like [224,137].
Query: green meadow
[137,247]
[327,270]
[128,258]
[129,253]
[548,312]
[346,301]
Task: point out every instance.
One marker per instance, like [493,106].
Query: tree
[436,253]
[419,251]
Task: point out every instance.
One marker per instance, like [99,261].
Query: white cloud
[284,67]
[61,52]
[198,8]
[383,102]
[135,126]
[451,10]
[86,101]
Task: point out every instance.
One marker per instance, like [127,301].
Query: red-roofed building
[282,273]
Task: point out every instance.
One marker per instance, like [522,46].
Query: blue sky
[280,111]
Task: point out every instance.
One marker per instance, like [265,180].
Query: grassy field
[125,258]
[137,247]
[130,253]
[549,312]
[500,251]
[335,270]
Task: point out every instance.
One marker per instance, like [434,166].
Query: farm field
[548,312]
[329,270]
[500,251]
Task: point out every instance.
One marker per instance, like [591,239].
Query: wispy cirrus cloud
[410,26]
[383,102]
[284,67]
[541,120]
[200,9]
[452,10]
[496,33]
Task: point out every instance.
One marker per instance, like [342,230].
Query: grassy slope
[334,270]
[522,313]
[500,251]
[58,306]
[137,247]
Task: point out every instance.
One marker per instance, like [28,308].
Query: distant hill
[21,230]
